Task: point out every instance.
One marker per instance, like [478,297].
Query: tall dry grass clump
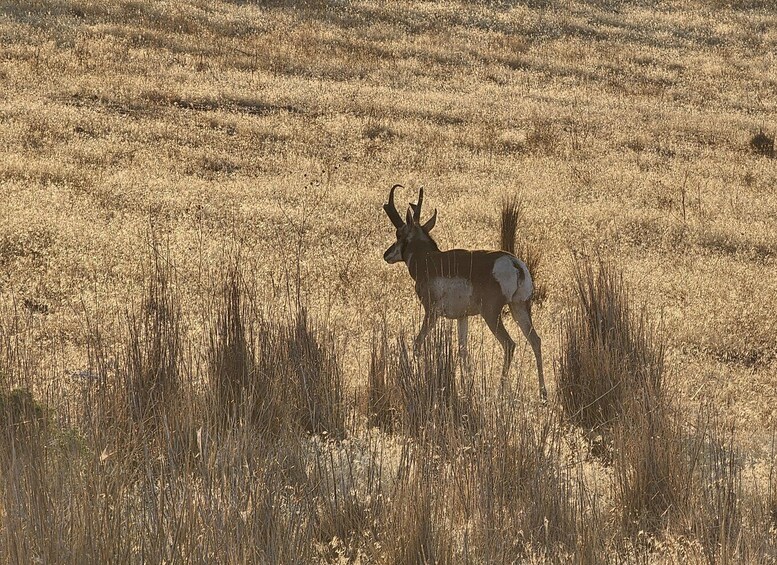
[731,516]
[482,464]
[716,510]
[22,422]
[652,466]
[611,383]
[466,474]
[231,359]
[670,475]
[235,391]
[318,389]
[610,354]
[24,434]
[151,364]
[428,385]
[145,476]
[381,398]
[524,493]
[272,373]
[134,387]
[421,394]
[419,525]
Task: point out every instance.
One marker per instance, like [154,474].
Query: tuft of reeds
[609,353]
[611,383]
[231,360]
[272,374]
[381,402]
[762,144]
[421,394]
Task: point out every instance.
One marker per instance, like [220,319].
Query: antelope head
[408,231]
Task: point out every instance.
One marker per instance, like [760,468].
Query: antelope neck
[417,254]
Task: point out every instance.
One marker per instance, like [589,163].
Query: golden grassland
[273,131]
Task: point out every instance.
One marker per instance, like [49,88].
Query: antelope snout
[392,254]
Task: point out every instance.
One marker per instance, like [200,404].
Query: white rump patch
[507,271]
[506,275]
[452,296]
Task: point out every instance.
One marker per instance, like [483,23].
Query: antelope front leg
[426,327]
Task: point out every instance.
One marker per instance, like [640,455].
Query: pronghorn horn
[391,209]
[417,207]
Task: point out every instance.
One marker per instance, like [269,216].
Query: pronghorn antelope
[459,283]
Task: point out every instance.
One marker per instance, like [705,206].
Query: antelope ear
[430,222]
[409,218]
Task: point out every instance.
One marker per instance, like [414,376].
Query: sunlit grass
[167,398]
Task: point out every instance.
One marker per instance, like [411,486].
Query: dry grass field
[205,359]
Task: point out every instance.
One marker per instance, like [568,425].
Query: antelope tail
[512,208]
